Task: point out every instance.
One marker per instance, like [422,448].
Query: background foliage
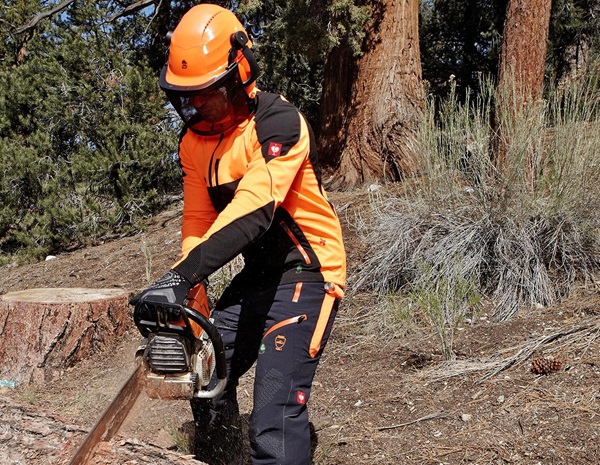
[522,234]
[455,42]
[86,140]
[88,143]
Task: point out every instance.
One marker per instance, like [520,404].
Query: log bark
[31,435]
[46,331]
[132,452]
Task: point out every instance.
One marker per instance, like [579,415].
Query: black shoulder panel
[277,125]
[221,195]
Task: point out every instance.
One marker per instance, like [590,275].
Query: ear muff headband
[238,42]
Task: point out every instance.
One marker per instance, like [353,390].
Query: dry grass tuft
[522,233]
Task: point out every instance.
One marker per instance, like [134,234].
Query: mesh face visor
[215,108]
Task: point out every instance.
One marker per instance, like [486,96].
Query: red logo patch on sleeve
[274,149]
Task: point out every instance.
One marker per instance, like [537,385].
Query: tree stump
[45,331]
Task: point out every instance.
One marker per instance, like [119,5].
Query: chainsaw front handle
[219,348]
[214,392]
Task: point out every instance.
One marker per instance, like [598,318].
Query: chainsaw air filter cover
[168,353]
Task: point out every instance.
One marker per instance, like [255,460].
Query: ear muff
[239,42]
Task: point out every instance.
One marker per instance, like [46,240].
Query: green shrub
[447,298]
[87,144]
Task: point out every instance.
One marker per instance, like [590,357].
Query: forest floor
[382,395]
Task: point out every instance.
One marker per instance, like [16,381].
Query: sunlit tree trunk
[371,105]
[521,70]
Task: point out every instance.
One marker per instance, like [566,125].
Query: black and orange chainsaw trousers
[284,330]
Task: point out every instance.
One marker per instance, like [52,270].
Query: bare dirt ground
[379,397]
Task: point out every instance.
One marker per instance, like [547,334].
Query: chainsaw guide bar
[111,420]
[181,351]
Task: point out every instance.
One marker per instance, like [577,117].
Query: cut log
[45,331]
[132,452]
[31,435]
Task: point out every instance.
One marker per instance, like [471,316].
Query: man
[251,186]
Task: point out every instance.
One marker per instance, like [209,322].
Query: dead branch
[431,416]
[44,14]
[131,9]
[584,333]
[587,328]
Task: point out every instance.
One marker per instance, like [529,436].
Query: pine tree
[459,39]
[87,143]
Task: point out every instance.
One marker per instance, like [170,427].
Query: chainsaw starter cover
[168,353]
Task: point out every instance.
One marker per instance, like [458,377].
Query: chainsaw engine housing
[176,366]
[182,348]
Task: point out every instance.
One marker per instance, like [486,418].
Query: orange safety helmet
[210,71]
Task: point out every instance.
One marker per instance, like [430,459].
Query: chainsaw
[177,358]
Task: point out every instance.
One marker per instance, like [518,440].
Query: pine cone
[545,365]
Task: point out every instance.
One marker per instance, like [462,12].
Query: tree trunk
[521,69]
[369,127]
[336,105]
[524,46]
[45,331]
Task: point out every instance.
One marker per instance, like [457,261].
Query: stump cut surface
[59,295]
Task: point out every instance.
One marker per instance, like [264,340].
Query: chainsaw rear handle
[151,316]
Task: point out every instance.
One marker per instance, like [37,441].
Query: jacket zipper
[210,183]
[217,161]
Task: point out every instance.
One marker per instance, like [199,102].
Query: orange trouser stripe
[297,292]
[333,293]
[296,319]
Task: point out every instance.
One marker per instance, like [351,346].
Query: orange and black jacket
[257,191]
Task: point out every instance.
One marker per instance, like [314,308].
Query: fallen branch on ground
[575,336]
[431,416]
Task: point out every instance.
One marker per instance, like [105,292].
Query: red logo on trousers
[300,397]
